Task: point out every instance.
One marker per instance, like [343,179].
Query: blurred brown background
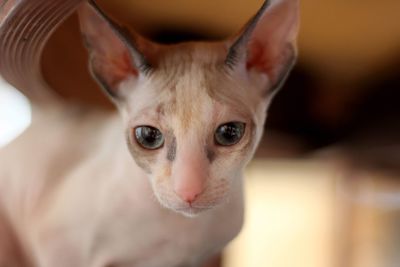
[325,187]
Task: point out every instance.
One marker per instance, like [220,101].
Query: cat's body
[160,185]
[71,205]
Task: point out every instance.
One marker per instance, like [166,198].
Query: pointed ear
[114,54]
[267,44]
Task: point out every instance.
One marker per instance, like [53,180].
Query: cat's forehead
[190,84]
[180,107]
[192,55]
[194,71]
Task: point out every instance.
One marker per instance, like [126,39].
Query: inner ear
[267,44]
[115,54]
[110,72]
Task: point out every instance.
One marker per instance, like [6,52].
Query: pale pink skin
[82,198]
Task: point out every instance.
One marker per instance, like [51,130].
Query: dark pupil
[149,137]
[230,133]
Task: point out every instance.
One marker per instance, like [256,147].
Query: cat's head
[193,112]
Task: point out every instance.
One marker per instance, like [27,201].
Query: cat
[160,183]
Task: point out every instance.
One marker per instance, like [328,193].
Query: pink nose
[189,195]
[189,174]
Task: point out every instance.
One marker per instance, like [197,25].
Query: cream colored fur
[79,199]
[79,192]
[75,205]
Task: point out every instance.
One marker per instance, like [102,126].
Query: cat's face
[193,112]
[192,125]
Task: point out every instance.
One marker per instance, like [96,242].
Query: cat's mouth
[205,202]
[192,210]
[197,208]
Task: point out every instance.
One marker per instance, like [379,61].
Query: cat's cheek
[145,163]
[145,159]
[235,159]
[161,176]
[223,170]
[161,183]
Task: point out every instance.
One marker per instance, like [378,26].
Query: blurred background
[324,188]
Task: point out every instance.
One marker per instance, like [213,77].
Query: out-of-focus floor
[289,218]
[315,213]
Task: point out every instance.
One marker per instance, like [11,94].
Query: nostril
[188,196]
[191,199]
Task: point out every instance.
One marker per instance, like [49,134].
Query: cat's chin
[191,212]
[186,210]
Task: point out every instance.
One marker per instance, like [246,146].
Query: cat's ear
[114,53]
[267,44]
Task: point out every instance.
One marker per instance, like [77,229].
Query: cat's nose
[189,173]
[189,181]
[189,195]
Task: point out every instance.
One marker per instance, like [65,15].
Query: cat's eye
[230,133]
[149,137]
